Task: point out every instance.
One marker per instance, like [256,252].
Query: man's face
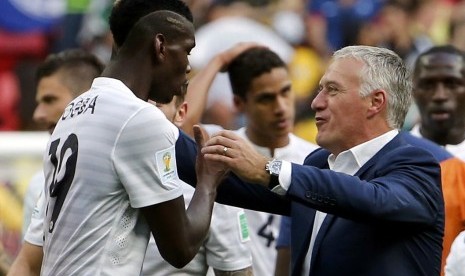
[439,91]
[176,68]
[340,110]
[269,106]
[52,97]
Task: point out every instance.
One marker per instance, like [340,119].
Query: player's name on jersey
[81,106]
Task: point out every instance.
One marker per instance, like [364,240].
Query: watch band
[273,167]
[274,181]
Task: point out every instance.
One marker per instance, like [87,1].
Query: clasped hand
[238,155]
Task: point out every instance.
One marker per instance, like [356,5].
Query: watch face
[275,167]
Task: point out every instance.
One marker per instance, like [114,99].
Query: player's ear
[377,102]
[159,44]
[239,103]
[180,114]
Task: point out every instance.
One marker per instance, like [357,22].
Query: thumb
[199,136]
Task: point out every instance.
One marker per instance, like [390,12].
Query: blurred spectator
[457,27]
[25,31]
[306,66]
[397,25]
[95,35]
[331,22]
[70,25]
[231,22]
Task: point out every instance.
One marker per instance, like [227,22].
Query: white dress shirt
[349,162]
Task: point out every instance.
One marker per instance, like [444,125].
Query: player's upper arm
[28,262]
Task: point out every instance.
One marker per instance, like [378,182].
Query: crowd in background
[314,29]
[304,33]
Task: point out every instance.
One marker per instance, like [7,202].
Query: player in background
[263,92]
[226,250]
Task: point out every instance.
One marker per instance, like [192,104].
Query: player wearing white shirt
[263,93]
[60,78]
[455,262]
[264,227]
[457,150]
[111,179]
[226,248]
[86,165]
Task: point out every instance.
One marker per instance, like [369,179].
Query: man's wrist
[273,167]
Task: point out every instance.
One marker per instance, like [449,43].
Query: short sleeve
[145,160]
[35,231]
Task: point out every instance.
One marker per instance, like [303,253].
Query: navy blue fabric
[437,151]
[387,221]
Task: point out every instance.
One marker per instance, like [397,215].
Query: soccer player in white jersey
[226,250]
[60,78]
[111,180]
[263,93]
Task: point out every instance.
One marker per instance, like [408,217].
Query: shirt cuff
[284,178]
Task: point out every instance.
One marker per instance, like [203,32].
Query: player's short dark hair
[125,14]
[448,49]
[78,68]
[250,65]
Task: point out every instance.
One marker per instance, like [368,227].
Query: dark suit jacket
[388,219]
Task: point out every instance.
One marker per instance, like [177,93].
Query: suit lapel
[363,173]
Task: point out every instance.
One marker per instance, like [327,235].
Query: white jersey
[226,248]
[110,154]
[34,189]
[264,227]
[456,150]
[455,262]
[35,230]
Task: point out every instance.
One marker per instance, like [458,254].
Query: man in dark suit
[367,202]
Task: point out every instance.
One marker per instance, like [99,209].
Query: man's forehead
[433,60]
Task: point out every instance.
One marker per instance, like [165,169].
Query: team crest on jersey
[166,164]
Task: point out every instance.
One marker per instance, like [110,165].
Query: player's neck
[267,141]
[125,72]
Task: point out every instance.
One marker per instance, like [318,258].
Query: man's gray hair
[383,70]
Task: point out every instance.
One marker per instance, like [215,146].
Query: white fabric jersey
[34,189]
[35,230]
[115,154]
[221,34]
[264,227]
[457,150]
[455,263]
[226,248]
